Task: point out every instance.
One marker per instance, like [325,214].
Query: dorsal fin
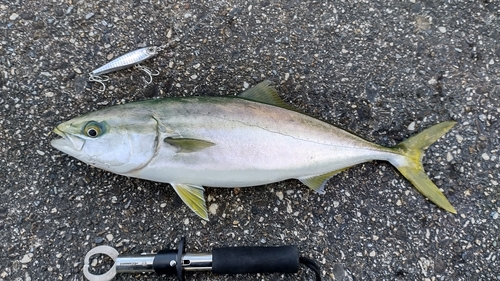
[263,93]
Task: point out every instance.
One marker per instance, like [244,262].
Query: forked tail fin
[410,165]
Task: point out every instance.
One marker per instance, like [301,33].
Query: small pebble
[442,29]
[280,195]
[213,208]
[494,215]
[245,85]
[411,127]
[49,94]
[485,156]
[27,258]
[109,237]
[186,221]
[449,157]
[14,16]
[89,15]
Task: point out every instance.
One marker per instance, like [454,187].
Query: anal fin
[317,182]
[193,196]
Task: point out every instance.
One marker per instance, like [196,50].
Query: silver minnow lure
[125,61]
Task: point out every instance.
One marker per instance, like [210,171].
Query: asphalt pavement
[384,70]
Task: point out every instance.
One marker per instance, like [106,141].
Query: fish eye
[92,129]
[152,50]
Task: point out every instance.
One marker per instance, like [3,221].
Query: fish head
[117,139]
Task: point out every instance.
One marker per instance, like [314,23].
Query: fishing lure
[127,60]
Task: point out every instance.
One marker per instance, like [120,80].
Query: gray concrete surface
[382,69]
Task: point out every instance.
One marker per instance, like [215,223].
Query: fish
[251,139]
[132,58]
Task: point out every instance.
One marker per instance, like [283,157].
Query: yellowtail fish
[232,141]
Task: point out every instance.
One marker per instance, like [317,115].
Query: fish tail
[410,164]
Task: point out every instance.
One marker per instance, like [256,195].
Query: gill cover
[119,143]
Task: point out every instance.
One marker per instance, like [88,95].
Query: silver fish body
[252,146]
[248,140]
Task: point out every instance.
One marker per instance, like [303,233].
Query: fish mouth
[67,142]
[58,132]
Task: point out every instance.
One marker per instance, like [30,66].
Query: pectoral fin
[186,145]
[317,183]
[193,196]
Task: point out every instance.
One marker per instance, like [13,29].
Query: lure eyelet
[92,129]
[151,50]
